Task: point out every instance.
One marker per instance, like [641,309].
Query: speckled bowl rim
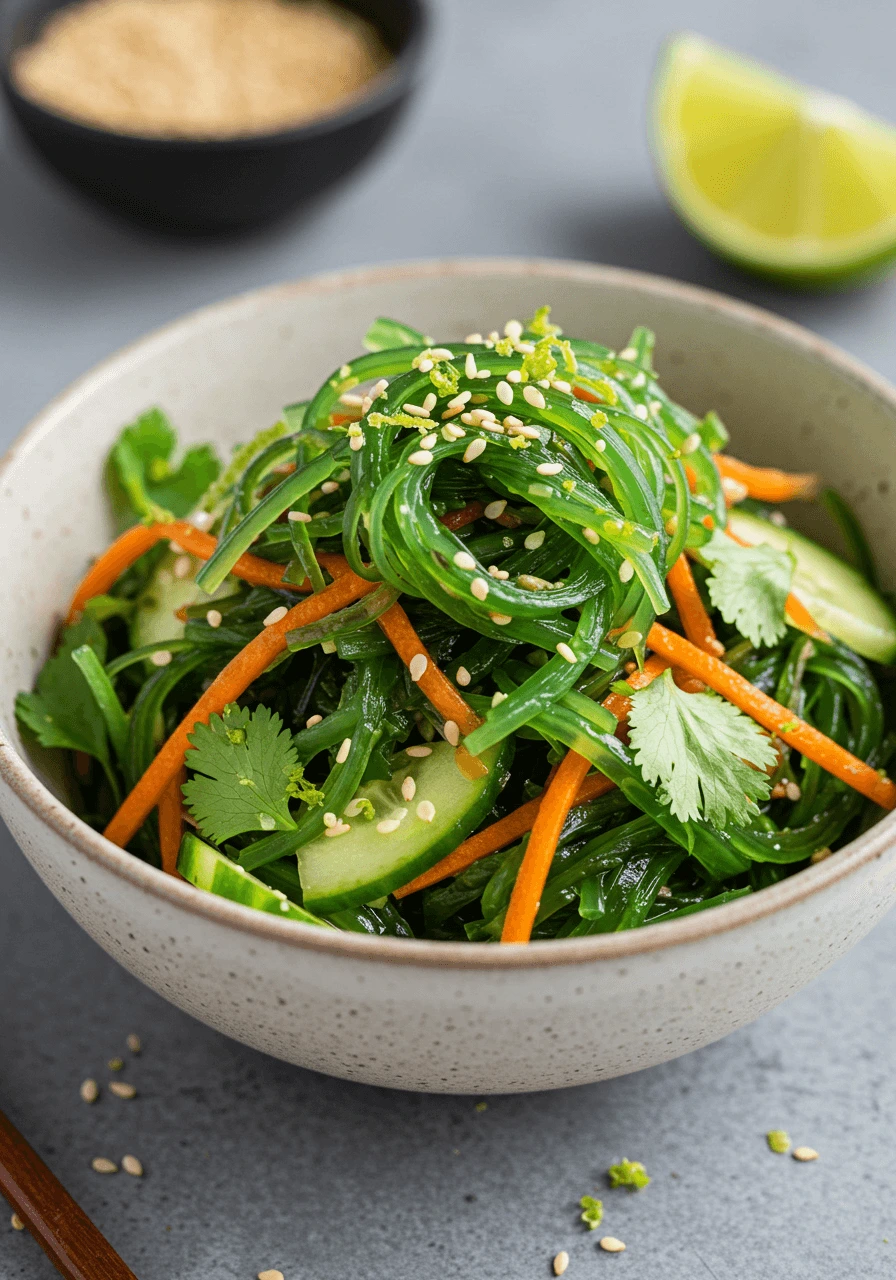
[18,775]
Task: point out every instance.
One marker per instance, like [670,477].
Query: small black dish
[219,185]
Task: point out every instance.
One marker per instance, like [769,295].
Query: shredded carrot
[582,393]
[396,624]
[530,881]
[227,686]
[772,716]
[499,835]
[618,703]
[691,610]
[767,484]
[171,821]
[455,520]
[797,613]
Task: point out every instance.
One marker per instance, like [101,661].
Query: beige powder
[200,68]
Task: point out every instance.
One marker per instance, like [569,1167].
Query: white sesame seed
[452,433]
[356,443]
[342,753]
[529,582]
[299,517]
[504,392]
[351,399]
[527,432]
[468,420]
[526,348]
[561,1262]
[388,825]
[160,658]
[330,820]
[132,1165]
[513,330]
[640,411]
[793,790]
[591,535]
[472,338]
[442,353]
[430,401]
[480,416]
[16,1223]
[345,371]
[501,574]
[534,540]
[416,410]
[429,440]
[495,509]
[600,446]
[183,566]
[474,449]
[340,829]
[418,752]
[101,1165]
[484,373]
[271,1274]
[284,906]
[422,458]
[490,425]
[560,384]
[330,486]
[460,400]
[276,615]
[214,618]
[426,811]
[380,388]
[408,789]
[90,1091]
[498,698]
[464,560]
[122,1089]
[425,365]
[510,421]
[611,1245]
[513,375]
[479,588]
[533,396]
[805,1153]
[417,666]
[312,721]
[628,353]
[202,520]
[639,380]
[544,382]
[463,677]
[734,490]
[549,468]
[626,571]
[501,619]
[470,365]
[565,652]
[691,443]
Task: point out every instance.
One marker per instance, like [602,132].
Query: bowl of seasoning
[208,115]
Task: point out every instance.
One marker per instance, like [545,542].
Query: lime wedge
[785,180]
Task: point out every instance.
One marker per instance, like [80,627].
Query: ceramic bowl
[416,1014]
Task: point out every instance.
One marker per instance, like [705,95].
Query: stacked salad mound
[486,641]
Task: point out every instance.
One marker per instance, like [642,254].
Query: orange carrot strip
[396,624]
[455,520]
[498,835]
[582,393]
[796,611]
[171,821]
[696,621]
[108,567]
[555,805]
[618,703]
[767,484]
[772,716]
[229,685]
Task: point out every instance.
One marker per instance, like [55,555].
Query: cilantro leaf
[62,711]
[699,748]
[628,1173]
[246,768]
[749,586]
[144,480]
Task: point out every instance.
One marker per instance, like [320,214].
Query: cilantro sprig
[749,586]
[143,478]
[699,748]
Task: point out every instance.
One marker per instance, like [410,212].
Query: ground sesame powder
[200,68]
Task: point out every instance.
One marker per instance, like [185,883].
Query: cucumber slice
[155,617]
[365,864]
[208,869]
[836,594]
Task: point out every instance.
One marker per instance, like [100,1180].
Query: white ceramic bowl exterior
[423,1015]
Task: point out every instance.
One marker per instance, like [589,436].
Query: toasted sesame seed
[804,1154]
[611,1245]
[591,535]
[430,401]
[312,721]
[474,449]
[529,582]
[356,443]
[504,392]
[640,411]
[99,1164]
[388,825]
[472,338]
[452,732]
[418,752]
[417,666]
[422,458]
[299,517]
[425,365]
[463,677]
[342,753]
[460,400]
[792,790]
[132,1165]
[691,443]
[561,1262]
[513,330]
[629,639]
[330,486]
[549,468]
[479,588]
[160,658]
[533,396]
[122,1089]
[470,365]
[271,1274]
[626,571]
[498,698]
[416,410]
[495,509]
[89,1091]
[340,829]
[500,619]
[464,560]
[16,1223]
[671,526]
[820,854]
[276,615]
[534,540]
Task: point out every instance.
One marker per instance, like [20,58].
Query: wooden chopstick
[61,1227]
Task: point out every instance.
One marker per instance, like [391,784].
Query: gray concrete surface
[528,137]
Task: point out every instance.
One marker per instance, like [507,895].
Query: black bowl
[226,184]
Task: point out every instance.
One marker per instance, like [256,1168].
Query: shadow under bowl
[213,186]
